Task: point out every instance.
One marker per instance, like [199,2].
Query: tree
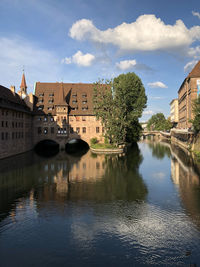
[119,105]
[159,123]
[196,111]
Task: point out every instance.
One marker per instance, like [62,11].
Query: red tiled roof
[11,100]
[77,95]
[195,71]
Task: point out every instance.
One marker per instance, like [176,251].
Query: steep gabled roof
[61,95]
[195,71]
[11,100]
[23,83]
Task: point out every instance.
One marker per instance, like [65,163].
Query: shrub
[93,141]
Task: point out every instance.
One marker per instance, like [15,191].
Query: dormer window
[40,107]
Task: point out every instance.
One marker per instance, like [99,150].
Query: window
[74,95]
[83,118]
[13,135]
[84,129]
[39,119]
[97,129]
[2,124]
[84,108]
[77,118]
[40,101]
[59,130]
[39,130]
[51,94]
[40,107]
[102,129]
[2,136]
[74,101]
[97,165]
[45,130]
[51,101]
[84,95]
[71,130]
[41,94]
[84,102]
[50,108]
[13,125]
[52,119]
[45,118]
[6,124]
[52,130]
[78,129]
[65,131]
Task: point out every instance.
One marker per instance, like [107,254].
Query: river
[137,209]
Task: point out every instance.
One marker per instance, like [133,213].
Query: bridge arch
[47,147]
[76,144]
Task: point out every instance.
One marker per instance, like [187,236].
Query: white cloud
[157,85]
[189,66]
[197,14]
[159,175]
[147,33]
[156,97]
[80,59]
[194,52]
[126,64]
[148,112]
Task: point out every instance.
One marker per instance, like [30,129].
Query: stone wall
[15,132]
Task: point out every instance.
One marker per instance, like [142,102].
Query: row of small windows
[83,102]
[14,113]
[74,95]
[41,107]
[14,135]
[14,124]
[64,130]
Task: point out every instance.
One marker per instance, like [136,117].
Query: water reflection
[158,149]
[65,177]
[100,210]
[185,175]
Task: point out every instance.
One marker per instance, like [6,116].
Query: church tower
[23,92]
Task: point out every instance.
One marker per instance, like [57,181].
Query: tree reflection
[159,151]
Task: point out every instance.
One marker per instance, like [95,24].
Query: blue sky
[84,40]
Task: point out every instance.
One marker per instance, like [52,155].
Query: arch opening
[47,148]
[77,146]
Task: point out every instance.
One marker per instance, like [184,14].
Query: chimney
[12,88]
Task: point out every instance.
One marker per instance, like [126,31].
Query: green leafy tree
[119,105]
[196,111]
[158,122]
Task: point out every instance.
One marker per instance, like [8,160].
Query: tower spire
[23,83]
[23,92]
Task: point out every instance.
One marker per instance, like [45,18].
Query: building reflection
[88,177]
[186,178]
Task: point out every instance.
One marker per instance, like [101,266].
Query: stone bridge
[62,138]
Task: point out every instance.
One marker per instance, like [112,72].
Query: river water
[138,209]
